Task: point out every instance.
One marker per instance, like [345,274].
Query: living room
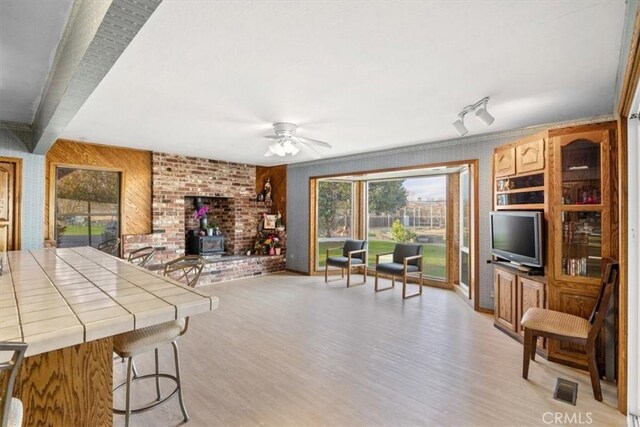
[264,138]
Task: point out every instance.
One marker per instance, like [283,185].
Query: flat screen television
[516,236]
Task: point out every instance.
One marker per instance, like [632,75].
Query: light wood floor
[288,350]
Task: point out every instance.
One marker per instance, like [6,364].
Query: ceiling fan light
[277,148]
[294,150]
[483,115]
[460,127]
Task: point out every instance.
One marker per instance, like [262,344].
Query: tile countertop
[56,298]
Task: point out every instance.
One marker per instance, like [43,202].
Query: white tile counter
[55,298]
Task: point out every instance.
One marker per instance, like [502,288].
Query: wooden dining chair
[407,260]
[354,254]
[111,247]
[142,257]
[539,322]
[188,270]
[10,407]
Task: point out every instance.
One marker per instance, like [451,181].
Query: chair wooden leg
[533,344]
[365,274]
[404,289]
[326,272]
[348,275]
[526,353]
[593,371]
[342,272]
[378,289]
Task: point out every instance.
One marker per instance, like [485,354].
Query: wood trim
[474,255]
[632,72]
[17,200]
[453,228]
[397,169]
[624,109]
[313,218]
[623,257]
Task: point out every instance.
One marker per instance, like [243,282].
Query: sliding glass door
[87,206]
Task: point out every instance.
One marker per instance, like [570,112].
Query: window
[335,216]
[87,206]
[409,210]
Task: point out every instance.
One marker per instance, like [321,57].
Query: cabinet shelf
[521,190]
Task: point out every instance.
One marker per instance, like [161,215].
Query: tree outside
[87,206]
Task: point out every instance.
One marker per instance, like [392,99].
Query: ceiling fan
[286,142]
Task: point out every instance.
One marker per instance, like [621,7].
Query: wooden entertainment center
[567,175]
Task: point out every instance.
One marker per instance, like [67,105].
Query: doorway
[10,186]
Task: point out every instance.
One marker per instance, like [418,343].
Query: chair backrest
[111,247]
[142,256]
[354,245]
[186,269]
[403,250]
[607,288]
[8,372]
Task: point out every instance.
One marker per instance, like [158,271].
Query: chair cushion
[146,339]
[556,322]
[342,261]
[15,413]
[403,250]
[354,245]
[394,268]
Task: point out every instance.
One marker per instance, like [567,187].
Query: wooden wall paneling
[62,387]
[137,184]
[278,175]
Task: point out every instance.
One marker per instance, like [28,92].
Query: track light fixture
[482,114]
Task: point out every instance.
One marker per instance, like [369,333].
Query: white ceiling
[207,78]
[30,31]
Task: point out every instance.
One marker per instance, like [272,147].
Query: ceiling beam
[96,35]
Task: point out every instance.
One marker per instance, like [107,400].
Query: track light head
[483,115]
[460,127]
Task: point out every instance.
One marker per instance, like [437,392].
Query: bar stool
[130,344]
[11,407]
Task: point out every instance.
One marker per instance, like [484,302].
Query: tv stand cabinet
[566,174]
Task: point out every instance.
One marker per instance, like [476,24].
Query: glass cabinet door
[581,182]
[581,206]
[581,243]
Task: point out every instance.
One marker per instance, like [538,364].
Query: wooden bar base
[68,387]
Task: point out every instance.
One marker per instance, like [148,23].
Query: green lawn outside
[433,259]
[82,230]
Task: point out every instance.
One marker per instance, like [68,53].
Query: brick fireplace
[229,190]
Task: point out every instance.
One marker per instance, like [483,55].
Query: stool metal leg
[177,359]
[135,371]
[128,397]
[158,378]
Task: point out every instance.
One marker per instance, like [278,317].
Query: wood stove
[205,245]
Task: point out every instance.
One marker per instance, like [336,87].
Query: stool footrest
[154,404]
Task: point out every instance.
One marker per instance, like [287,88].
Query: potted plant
[201,214]
[278,246]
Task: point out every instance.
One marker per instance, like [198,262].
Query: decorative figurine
[267,190]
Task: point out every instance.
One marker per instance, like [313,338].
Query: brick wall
[228,187]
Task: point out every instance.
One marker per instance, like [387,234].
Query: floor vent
[566,391]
